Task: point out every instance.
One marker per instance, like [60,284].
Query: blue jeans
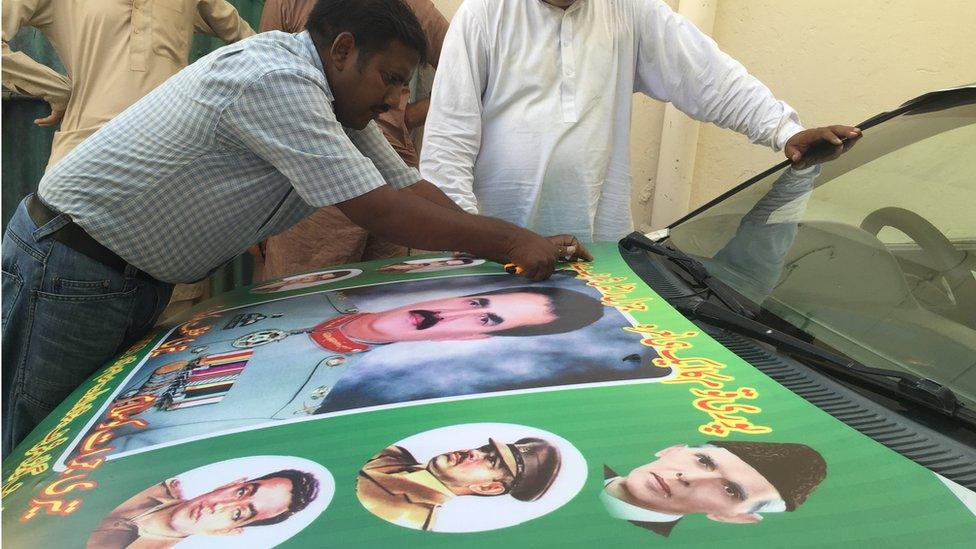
[65,315]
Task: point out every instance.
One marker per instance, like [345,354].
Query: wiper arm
[694,268]
[921,390]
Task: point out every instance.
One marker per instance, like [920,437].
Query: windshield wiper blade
[694,268]
[921,390]
[736,318]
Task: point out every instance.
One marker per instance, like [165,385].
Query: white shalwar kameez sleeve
[531,106]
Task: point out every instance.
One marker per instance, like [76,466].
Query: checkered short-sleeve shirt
[235,148]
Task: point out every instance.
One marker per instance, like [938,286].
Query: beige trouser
[184,297]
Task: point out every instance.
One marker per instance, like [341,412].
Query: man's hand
[52,119]
[415,114]
[414,221]
[535,255]
[817,145]
[569,249]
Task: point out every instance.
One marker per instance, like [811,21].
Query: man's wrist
[58,104]
[786,132]
[510,238]
[58,100]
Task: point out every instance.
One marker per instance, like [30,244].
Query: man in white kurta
[530,115]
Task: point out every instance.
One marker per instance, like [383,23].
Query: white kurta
[530,109]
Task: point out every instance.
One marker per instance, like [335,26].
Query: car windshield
[873,254]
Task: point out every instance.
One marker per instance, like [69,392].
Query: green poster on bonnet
[438,401]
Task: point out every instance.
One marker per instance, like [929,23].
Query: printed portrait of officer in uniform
[727,481]
[396,487]
[281,360]
[160,517]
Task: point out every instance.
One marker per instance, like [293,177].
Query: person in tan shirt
[114,52]
[327,237]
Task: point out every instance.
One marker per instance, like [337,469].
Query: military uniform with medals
[288,373]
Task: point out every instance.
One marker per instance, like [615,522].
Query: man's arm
[430,192]
[22,74]
[452,133]
[219,18]
[410,220]
[676,62]
[567,247]
[422,216]
[286,119]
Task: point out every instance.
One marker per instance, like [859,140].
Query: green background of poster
[870,495]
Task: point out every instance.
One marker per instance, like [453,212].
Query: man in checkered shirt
[235,148]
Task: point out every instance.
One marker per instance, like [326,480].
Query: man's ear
[175,487]
[668,450]
[741,518]
[343,49]
[493,488]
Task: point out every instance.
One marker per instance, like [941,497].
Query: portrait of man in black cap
[727,481]
[396,487]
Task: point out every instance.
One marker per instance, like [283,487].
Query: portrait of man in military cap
[396,487]
[727,481]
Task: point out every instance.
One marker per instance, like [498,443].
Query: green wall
[26,147]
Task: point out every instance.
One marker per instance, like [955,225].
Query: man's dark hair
[573,310]
[304,490]
[374,24]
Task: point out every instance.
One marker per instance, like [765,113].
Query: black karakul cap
[793,469]
[533,462]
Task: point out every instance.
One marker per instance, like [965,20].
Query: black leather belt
[74,237]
